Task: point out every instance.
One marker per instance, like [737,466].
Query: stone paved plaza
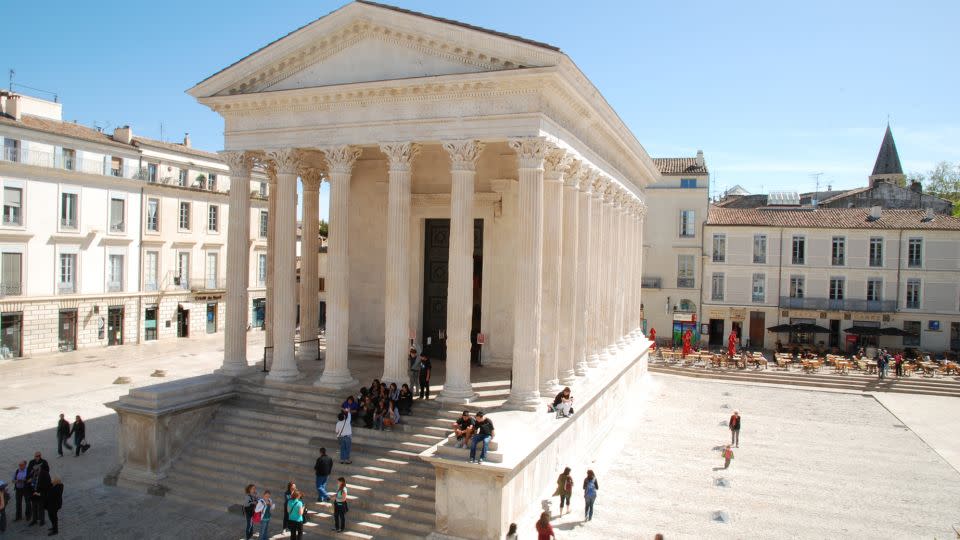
[812,465]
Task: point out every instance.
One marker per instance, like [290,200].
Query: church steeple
[887,168]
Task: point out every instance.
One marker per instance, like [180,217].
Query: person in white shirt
[344,436]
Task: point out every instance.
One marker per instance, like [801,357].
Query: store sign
[685,317]
[873,317]
[738,314]
[717,313]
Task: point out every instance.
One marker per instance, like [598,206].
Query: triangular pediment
[364,42]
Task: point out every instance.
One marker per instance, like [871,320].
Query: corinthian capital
[556,162]
[464,154]
[240,163]
[600,184]
[286,160]
[400,154]
[531,151]
[340,159]
[311,178]
[641,210]
[585,176]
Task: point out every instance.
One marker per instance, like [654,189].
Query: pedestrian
[463,429]
[564,489]
[483,434]
[63,435]
[414,372]
[735,428]
[53,503]
[79,432]
[4,497]
[898,362]
[405,402]
[344,437]
[512,532]
[21,490]
[727,456]
[263,511]
[40,483]
[249,505]
[423,380]
[287,497]
[295,511]
[590,488]
[544,529]
[340,507]
[322,468]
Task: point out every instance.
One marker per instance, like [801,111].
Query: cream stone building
[112,239]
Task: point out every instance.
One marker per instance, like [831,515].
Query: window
[836,288]
[68,211]
[264,223]
[799,250]
[838,253]
[152,173]
[116,215]
[913,294]
[183,177]
[262,270]
[69,158]
[185,216]
[68,273]
[759,249]
[876,251]
[915,253]
[11,150]
[12,206]
[719,248]
[116,166]
[688,183]
[913,328]
[759,287]
[213,224]
[212,182]
[153,215]
[183,270]
[685,275]
[874,289]
[212,261]
[150,270]
[115,273]
[717,288]
[12,272]
[687,225]
[263,189]
[796,286]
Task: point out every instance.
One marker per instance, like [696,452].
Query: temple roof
[888,160]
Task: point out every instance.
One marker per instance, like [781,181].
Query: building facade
[112,239]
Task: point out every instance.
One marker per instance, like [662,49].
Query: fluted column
[524,392]
[583,269]
[555,161]
[641,216]
[595,286]
[622,294]
[238,263]
[284,266]
[566,359]
[396,339]
[609,241]
[310,177]
[463,157]
[271,255]
[336,371]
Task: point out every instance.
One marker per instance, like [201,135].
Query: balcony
[686,283]
[849,304]
[53,161]
[208,284]
[11,289]
[645,283]
[114,286]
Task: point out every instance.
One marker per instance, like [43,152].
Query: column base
[593,360]
[285,375]
[581,369]
[233,370]
[456,396]
[568,377]
[310,351]
[395,378]
[550,388]
[622,343]
[336,381]
[524,401]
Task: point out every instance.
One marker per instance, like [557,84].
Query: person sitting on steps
[367,411]
[563,403]
[463,429]
[484,434]
[405,402]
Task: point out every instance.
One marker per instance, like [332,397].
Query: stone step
[314,396]
[450,451]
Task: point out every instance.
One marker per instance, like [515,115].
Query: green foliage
[943,181]
[323,228]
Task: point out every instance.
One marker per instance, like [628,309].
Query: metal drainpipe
[899,266]
[780,278]
[140,312]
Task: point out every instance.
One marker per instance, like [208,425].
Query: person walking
[4,497]
[423,379]
[544,528]
[414,372]
[483,434]
[322,468]
[344,437]
[63,435]
[41,484]
[287,497]
[264,509]
[590,488]
[735,429]
[79,432]
[21,490]
[898,363]
[564,489]
[53,503]
[727,456]
[295,510]
[512,532]
[249,505]
[340,507]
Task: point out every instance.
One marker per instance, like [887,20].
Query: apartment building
[111,238]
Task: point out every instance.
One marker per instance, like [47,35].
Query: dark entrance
[115,325]
[834,333]
[757,329]
[259,312]
[211,317]
[67,333]
[436,255]
[11,333]
[150,324]
[955,336]
[716,333]
[183,322]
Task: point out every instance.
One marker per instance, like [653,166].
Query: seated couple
[475,431]
[562,404]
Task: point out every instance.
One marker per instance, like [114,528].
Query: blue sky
[771,91]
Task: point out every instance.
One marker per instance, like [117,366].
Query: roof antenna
[12,73]
[816,190]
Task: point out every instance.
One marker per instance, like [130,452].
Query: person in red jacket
[544,529]
[653,338]
[735,429]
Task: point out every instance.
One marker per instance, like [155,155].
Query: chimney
[874,213]
[929,215]
[186,139]
[14,108]
[700,158]
[123,134]
[916,187]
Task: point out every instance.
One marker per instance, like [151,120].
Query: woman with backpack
[249,505]
[262,513]
[564,489]
[340,507]
[590,488]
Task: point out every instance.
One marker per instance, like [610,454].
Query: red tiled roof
[174,147]
[829,218]
[681,165]
[66,129]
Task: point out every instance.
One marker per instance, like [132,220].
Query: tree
[323,228]
[943,181]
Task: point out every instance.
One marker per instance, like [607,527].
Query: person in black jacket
[38,498]
[54,502]
[323,467]
[63,435]
[79,432]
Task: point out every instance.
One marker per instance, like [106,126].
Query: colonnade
[578,265]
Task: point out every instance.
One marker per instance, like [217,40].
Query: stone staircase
[270,434]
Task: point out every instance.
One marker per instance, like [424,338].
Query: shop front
[683,322]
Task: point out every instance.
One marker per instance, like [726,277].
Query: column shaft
[309,274]
[284,269]
[606,314]
[566,366]
[271,256]
[622,292]
[238,263]
[552,259]
[595,286]
[584,273]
